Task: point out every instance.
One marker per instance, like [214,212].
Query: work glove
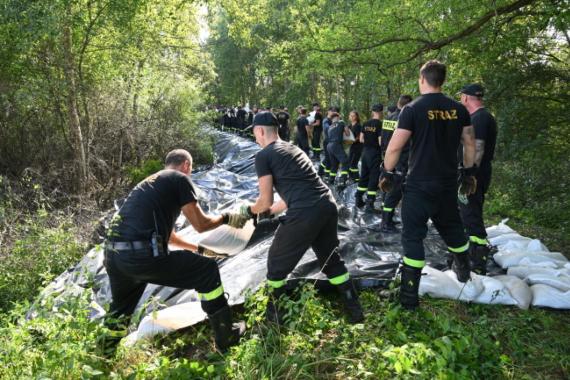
[388,179]
[467,180]
[209,253]
[245,211]
[234,220]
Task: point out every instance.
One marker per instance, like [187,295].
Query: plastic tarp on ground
[371,256]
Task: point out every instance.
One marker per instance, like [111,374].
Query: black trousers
[395,196]
[316,143]
[338,158]
[130,271]
[438,202]
[472,213]
[369,172]
[303,142]
[353,158]
[301,229]
[325,165]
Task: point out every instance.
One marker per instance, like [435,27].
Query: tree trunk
[72,112]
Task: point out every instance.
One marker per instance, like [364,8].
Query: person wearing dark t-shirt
[311,220]
[283,118]
[136,250]
[241,119]
[485,140]
[325,165]
[302,135]
[435,125]
[317,126]
[356,148]
[370,161]
[392,198]
[335,148]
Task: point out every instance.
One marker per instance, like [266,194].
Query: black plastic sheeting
[371,256]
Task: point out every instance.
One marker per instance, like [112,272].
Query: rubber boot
[370,206]
[409,286]
[387,224]
[461,266]
[226,333]
[358,201]
[350,301]
[274,312]
[478,255]
[341,185]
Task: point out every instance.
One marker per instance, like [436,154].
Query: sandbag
[223,239]
[439,284]
[500,229]
[507,259]
[494,292]
[522,272]
[518,289]
[547,296]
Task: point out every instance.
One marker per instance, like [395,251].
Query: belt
[127,245]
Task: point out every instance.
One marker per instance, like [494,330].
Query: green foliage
[147,168]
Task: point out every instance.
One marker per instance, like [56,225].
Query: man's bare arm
[180,242]
[468,141]
[200,221]
[278,207]
[479,151]
[265,200]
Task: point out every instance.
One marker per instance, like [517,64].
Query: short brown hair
[177,157]
[404,99]
[434,73]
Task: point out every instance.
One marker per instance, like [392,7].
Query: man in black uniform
[325,165]
[392,198]
[317,127]
[370,161]
[435,124]
[485,140]
[136,250]
[310,222]
[283,118]
[241,119]
[302,136]
[335,148]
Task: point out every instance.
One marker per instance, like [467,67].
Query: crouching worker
[311,219]
[136,250]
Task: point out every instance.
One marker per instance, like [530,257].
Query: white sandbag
[223,239]
[547,296]
[439,284]
[518,289]
[523,272]
[561,282]
[509,238]
[167,320]
[494,292]
[500,229]
[506,259]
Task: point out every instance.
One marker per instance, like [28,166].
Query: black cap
[473,90]
[265,118]
[378,107]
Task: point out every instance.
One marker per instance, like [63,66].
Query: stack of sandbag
[500,290]
[547,273]
[535,276]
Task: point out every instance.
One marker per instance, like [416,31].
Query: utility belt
[153,248]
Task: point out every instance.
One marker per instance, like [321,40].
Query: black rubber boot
[387,224]
[370,206]
[274,312]
[409,286]
[341,183]
[461,266]
[226,333]
[352,306]
[479,254]
[358,201]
